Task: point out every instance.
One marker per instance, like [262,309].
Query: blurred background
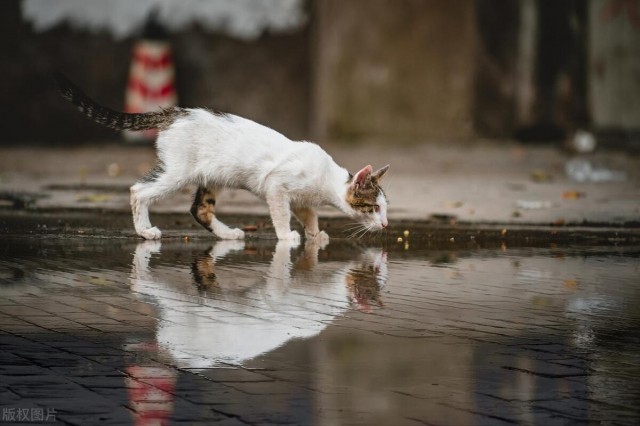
[400,71]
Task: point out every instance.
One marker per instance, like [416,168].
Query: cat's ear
[361,177]
[381,172]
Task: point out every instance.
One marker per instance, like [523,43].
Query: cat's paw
[291,236]
[321,239]
[231,234]
[151,233]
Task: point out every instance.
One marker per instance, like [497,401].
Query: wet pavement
[443,327]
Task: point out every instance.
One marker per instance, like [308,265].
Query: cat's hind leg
[203,211]
[140,201]
[150,188]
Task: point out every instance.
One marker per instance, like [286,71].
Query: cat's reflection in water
[365,280]
[232,313]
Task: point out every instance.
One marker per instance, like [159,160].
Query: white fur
[381,218]
[227,151]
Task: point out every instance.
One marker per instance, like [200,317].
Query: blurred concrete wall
[266,80]
[531,68]
[614,64]
[394,69]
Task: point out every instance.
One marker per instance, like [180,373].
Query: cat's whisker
[366,228]
[364,231]
[357,230]
[351,224]
[356,226]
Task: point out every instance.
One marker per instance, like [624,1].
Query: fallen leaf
[539,175]
[453,204]
[94,198]
[541,301]
[572,195]
[114,169]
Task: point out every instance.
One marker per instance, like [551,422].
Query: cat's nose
[384,225]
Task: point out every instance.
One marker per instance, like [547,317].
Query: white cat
[216,151]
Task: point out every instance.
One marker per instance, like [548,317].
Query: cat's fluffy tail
[116,120]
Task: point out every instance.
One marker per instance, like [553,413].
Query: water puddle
[255,332]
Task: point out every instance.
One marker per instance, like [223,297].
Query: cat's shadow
[221,311]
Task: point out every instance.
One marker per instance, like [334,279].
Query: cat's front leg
[309,220]
[280,211]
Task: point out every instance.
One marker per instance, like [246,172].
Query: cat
[215,151]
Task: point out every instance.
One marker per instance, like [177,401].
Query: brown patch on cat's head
[364,189]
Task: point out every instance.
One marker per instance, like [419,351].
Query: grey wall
[394,70]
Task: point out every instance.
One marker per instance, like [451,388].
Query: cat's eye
[376,208]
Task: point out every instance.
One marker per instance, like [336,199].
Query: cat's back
[207,127]
[238,150]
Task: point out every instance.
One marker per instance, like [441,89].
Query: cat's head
[367,199]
